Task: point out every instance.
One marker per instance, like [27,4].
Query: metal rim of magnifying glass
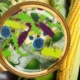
[44,6]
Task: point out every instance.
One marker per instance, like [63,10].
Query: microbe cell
[38,43]
[44,34]
[31,37]
[5,32]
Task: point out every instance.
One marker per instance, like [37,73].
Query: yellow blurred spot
[14,24]
[51,52]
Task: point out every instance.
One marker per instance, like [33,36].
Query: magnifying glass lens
[32,39]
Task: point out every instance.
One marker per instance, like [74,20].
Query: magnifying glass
[34,39]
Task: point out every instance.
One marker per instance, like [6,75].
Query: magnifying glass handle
[2,68]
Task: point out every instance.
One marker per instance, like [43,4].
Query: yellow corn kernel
[65,70]
[73,16]
[73,10]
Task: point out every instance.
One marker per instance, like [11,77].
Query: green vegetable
[34,16]
[60,5]
[51,76]
[4,6]
[33,64]
[57,36]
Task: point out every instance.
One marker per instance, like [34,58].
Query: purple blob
[22,37]
[37,25]
[39,8]
[46,29]
[16,12]
[29,25]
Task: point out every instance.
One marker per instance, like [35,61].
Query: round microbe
[5,32]
[31,37]
[38,43]
[44,34]
[0,38]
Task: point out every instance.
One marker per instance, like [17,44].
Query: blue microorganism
[38,43]
[10,35]
[0,38]
[5,31]
[44,34]
[31,37]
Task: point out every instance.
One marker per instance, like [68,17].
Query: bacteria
[38,43]
[5,32]
[44,34]
[31,37]
[0,38]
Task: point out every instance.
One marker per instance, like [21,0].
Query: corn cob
[75,71]
[72,17]
[66,67]
[65,70]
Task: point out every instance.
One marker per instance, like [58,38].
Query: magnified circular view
[32,39]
